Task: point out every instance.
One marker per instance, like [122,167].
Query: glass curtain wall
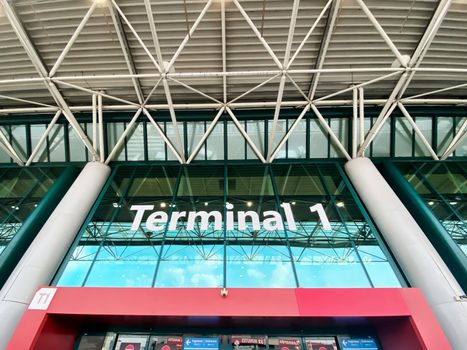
[21,189]
[290,225]
[443,187]
[309,139]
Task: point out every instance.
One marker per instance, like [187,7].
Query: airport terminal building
[233,174]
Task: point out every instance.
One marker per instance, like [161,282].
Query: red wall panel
[401,317]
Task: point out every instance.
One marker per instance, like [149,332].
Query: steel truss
[407,68]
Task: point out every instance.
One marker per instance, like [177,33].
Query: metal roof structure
[70,56]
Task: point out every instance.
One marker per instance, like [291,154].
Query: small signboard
[201,344]
[42,299]
[358,344]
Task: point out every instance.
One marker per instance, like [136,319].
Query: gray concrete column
[416,256]
[43,257]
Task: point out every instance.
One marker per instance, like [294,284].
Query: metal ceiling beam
[138,38]
[258,34]
[206,135]
[433,92]
[25,101]
[361,112]
[155,38]
[310,31]
[122,38]
[289,133]
[245,135]
[234,105]
[163,68]
[73,39]
[326,39]
[426,40]
[124,134]
[42,71]
[403,61]
[164,136]
[405,79]
[189,35]
[224,52]
[254,88]
[199,92]
[417,131]
[98,93]
[94,122]
[456,141]
[334,138]
[354,122]
[280,92]
[8,148]
[42,139]
[297,87]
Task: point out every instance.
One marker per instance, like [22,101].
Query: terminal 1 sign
[269,220]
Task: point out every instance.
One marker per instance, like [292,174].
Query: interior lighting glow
[163,204]
[453,202]
[431,203]
[206,204]
[249,204]
[293,203]
[340,204]
[101,3]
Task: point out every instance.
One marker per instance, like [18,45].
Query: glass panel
[340,127]
[403,138]
[195,132]
[259,266]
[461,150]
[57,143]
[256,256]
[4,157]
[318,140]
[20,191]
[191,265]
[381,144]
[172,136]
[77,268]
[215,143]
[281,130]
[114,130]
[443,187]
[77,149]
[236,143]
[156,145]
[425,124]
[18,138]
[445,127]
[135,143]
[255,130]
[37,130]
[296,145]
[193,252]
[110,252]
[328,256]
[123,266]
